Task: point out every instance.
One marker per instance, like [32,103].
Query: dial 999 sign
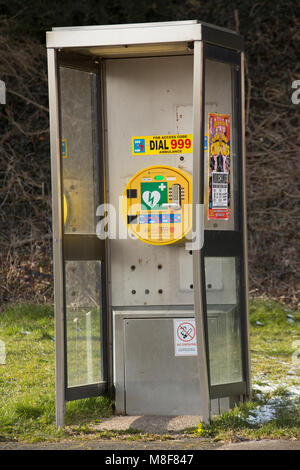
[162,144]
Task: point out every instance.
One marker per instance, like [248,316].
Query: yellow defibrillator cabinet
[158,205]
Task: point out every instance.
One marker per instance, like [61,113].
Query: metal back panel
[150,96]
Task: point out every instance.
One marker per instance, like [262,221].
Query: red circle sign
[186,332]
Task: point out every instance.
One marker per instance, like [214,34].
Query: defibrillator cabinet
[149,216]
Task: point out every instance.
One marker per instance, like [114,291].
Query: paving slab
[151,424]
[264,444]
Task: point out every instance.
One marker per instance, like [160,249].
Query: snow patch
[267,412]
[262,415]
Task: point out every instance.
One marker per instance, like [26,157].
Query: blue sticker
[159,218]
[205,142]
[139,145]
[64,148]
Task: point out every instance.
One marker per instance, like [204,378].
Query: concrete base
[152,424]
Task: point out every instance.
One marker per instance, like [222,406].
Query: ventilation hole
[132,267]
[209,286]
[160,291]
[159,266]
[147,291]
[133,291]
[191,286]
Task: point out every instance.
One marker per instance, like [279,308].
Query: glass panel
[223,316]
[220,190]
[83,306]
[79,148]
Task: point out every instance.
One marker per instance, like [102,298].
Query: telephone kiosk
[147,139]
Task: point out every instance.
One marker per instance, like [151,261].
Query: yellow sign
[65,209]
[162,144]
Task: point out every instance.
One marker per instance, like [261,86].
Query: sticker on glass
[219,166]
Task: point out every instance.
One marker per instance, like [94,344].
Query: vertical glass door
[84,253]
[223,256]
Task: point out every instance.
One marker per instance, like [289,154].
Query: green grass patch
[27,379]
[27,382]
[274,332]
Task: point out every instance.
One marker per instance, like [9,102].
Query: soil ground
[180,444]
[160,426]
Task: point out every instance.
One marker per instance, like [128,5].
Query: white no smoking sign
[185,337]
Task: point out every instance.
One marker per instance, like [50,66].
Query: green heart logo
[151,198]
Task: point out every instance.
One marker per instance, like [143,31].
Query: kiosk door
[224,254]
[79,255]
[84,260]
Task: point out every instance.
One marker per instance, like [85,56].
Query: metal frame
[83,48]
[143,33]
[245,239]
[198,192]
[57,236]
[109,322]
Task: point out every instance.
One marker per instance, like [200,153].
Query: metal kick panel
[156,381]
[150,96]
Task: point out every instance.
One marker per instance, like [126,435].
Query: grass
[27,382]
[274,332]
[279,414]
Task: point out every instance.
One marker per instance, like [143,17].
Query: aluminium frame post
[245,240]
[57,236]
[198,141]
